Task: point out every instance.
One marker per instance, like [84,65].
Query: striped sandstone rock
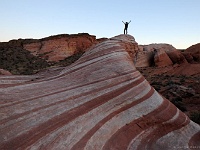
[99,102]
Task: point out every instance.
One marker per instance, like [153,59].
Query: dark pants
[125,31]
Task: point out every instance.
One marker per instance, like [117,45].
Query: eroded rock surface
[194,50]
[177,57]
[152,54]
[99,102]
[4,72]
[59,47]
[161,59]
[152,47]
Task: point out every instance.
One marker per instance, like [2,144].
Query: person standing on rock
[126,27]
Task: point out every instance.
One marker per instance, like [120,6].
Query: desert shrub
[182,80]
[177,99]
[167,76]
[20,61]
[156,83]
[179,104]
[170,82]
[195,116]
[69,60]
[167,96]
[182,76]
[158,87]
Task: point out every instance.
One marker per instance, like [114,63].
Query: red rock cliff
[59,47]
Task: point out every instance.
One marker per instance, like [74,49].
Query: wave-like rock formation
[99,102]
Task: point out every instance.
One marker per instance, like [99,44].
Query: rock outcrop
[27,56]
[150,55]
[177,57]
[59,47]
[4,72]
[152,47]
[188,57]
[194,50]
[99,102]
[146,55]
[144,59]
[161,59]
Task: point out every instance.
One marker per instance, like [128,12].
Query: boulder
[161,59]
[176,57]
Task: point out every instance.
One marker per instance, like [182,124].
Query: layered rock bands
[99,102]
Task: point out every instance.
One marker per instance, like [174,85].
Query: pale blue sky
[174,22]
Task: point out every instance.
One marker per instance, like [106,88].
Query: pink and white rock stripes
[99,102]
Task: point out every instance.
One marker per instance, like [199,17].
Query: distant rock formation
[147,53]
[99,102]
[152,47]
[151,55]
[27,56]
[161,59]
[194,50]
[177,57]
[188,56]
[59,47]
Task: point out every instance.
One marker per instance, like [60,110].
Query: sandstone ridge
[99,102]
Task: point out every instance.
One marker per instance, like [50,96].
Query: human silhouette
[126,26]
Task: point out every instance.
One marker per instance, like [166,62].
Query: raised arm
[123,22]
[130,21]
